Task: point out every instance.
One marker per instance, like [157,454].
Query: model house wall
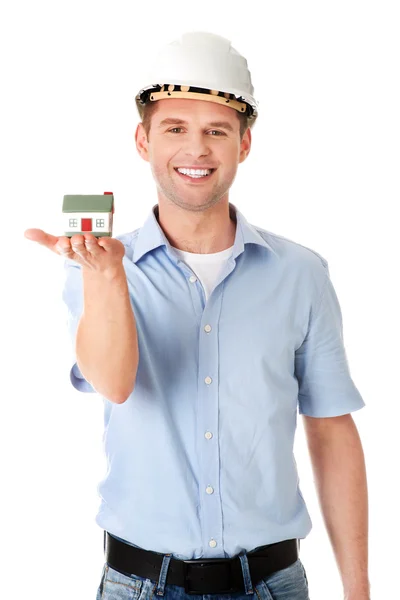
[87,221]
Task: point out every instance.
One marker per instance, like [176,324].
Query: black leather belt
[201,576]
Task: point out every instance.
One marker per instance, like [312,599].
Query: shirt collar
[152,236]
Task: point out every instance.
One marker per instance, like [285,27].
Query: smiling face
[193,134]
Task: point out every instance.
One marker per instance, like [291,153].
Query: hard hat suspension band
[191,92]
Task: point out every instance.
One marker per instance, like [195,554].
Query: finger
[66,252]
[63,247]
[105,243]
[78,244]
[92,245]
[63,244]
[43,238]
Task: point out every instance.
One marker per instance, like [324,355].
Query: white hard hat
[202,66]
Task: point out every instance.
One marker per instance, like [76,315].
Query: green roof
[88,203]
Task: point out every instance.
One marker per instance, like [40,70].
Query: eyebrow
[176,121]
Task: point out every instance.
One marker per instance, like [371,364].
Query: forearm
[341,482]
[106,340]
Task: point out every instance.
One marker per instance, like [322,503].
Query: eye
[212,131]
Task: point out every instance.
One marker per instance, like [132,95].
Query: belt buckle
[199,561]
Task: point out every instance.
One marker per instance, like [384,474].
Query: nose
[196,144]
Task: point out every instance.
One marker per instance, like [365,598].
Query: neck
[201,232]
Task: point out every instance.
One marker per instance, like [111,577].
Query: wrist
[111,274]
[361,593]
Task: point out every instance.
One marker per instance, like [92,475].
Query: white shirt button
[207,328]
[212,543]
[192,278]
[208,380]
[209,489]
[208,435]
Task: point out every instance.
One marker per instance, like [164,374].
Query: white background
[323,171]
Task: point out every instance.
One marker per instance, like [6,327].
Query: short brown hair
[146,111]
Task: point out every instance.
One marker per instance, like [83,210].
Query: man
[203,334]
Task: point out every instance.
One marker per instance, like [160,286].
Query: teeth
[194,172]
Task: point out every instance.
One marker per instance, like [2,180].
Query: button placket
[208,435]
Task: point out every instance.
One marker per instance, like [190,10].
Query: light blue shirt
[200,457]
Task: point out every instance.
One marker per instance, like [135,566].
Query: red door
[86,224]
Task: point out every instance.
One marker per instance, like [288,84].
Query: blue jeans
[287,584]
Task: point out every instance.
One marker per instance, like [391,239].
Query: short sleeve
[326,388]
[72,296]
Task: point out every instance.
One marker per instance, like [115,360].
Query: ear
[142,142]
[245,145]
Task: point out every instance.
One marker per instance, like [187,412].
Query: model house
[88,214]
